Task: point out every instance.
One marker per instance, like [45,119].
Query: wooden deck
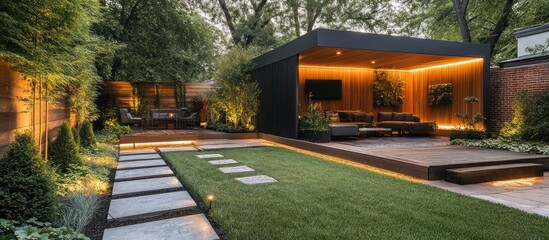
[148,137]
[422,162]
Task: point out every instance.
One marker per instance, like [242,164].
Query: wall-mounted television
[323,89]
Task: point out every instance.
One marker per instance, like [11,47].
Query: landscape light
[373,62]
[210,198]
[338,53]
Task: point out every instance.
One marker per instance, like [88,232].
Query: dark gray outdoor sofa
[347,122]
[403,122]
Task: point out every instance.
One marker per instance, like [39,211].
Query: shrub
[32,229]
[78,210]
[506,144]
[87,137]
[529,117]
[314,118]
[27,189]
[112,131]
[469,121]
[64,151]
[235,100]
[76,136]
[387,90]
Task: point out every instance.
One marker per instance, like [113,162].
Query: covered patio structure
[352,59]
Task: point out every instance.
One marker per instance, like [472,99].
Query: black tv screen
[323,89]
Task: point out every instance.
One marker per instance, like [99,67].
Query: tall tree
[482,21]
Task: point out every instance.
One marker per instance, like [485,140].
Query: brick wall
[506,82]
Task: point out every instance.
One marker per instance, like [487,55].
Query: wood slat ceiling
[352,58]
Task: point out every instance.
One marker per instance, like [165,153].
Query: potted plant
[468,128]
[314,124]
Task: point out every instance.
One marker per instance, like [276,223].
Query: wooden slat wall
[357,90]
[121,91]
[14,115]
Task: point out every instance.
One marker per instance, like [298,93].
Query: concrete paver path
[222,162]
[141,164]
[145,185]
[138,157]
[142,173]
[150,205]
[192,227]
[238,169]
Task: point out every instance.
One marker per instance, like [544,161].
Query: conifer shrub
[64,151]
[27,189]
[76,136]
[87,137]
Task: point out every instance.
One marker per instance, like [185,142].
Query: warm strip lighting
[447,65]
[154,144]
[396,70]
[354,68]
[445,127]
[516,183]
[351,163]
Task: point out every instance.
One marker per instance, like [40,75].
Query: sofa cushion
[344,130]
[406,117]
[345,117]
[370,117]
[384,116]
[359,116]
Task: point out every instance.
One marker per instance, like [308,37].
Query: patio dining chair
[127,118]
[193,118]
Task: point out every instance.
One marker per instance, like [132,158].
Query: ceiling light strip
[396,70]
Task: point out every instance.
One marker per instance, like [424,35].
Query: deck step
[481,174]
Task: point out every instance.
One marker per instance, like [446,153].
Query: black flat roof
[532,30]
[369,41]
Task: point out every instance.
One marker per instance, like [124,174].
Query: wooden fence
[121,93]
[16,116]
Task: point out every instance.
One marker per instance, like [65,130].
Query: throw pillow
[384,116]
[334,117]
[345,117]
[359,116]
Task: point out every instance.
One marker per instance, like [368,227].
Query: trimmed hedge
[64,151]
[27,189]
[87,137]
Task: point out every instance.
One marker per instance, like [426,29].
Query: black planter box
[315,136]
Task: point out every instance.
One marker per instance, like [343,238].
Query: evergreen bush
[27,189]
[64,151]
[76,136]
[529,118]
[87,137]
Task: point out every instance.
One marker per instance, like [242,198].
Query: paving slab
[222,146]
[222,162]
[142,173]
[202,156]
[135,152]
[145,185]
[138,157]
[150,205]
[178,149]
[141,164]
[187,227]
[256,179]
[239,169]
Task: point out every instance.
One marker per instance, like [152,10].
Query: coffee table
[375,131]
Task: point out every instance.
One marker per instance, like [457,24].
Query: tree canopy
[157,40]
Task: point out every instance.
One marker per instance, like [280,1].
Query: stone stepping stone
[256,179]
[138,157]
[145,185]
[150,205]
[239,169]
[178,149]
[142,173]
[202,156]
[136,152]
[188,227]
[222,162]
[141,164]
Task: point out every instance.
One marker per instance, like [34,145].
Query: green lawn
[319,199]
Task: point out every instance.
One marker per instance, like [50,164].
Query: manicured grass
[319,199]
